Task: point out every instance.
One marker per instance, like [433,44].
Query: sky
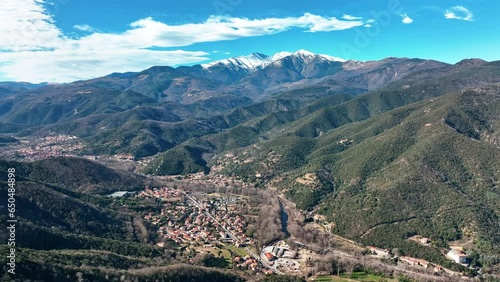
[67,40]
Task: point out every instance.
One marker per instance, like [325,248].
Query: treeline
[35,237]
[101,266]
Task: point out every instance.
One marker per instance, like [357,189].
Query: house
[409,260]
[269,256]
[379,251]
[254,266]
[345,142]
[423,263]
[438,268]
[457,256]
[415,261]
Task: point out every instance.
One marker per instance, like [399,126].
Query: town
[182,221]
[33,149]
[212,224]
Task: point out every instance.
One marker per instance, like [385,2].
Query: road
[235,239]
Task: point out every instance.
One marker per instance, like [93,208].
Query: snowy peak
[280,55]
[309,57]
[257,61]
[304,53]
[250,62]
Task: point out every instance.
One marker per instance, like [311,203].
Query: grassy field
[356,276]
[225,260]
[218,262]
[221,262]
[238,251]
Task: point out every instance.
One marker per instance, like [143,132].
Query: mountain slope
[66,235]
[413,157]
[316,117]
[414,170]
[94,178]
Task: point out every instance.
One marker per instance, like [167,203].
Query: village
[182,221]
[208,222]
[34,149]
[211,224]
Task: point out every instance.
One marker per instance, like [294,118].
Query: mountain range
[384,150]
[184,93]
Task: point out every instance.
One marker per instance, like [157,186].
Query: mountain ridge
[257,60]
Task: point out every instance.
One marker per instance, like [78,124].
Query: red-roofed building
[269,256]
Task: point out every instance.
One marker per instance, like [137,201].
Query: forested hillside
[413,157]
[67,232]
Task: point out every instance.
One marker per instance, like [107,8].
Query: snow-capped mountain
[256,61]
[249,62]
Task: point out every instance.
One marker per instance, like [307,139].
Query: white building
[378,251]
[457,256]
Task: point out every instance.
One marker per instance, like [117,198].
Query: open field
[237,251]
[222,261]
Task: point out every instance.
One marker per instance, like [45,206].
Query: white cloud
[459,13]
[84,27]
[318,23]
[350,17]
[64,65]
[406,19]
[26,25]
[30,42]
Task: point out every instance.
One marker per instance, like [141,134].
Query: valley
[290,166]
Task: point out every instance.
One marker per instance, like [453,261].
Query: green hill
[418,156]
[92,177]
[63,234]
[429,168]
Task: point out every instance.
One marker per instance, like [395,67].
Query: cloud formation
[459,13]
[406,19]
[351,18]
[27,26]
[84,27]
[30,41]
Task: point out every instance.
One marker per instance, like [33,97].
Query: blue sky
[67,40]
